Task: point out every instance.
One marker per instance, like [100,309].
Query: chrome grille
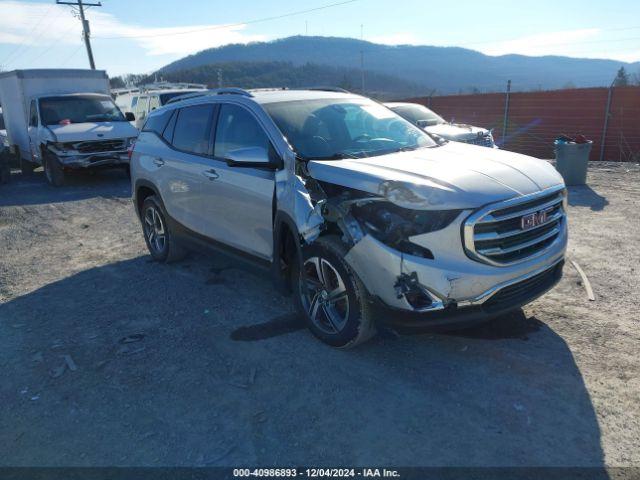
[100,146]
[497,233]
[482,141]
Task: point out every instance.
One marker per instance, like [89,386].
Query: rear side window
[168,131]
[157,123]
[192,132]
[237,128]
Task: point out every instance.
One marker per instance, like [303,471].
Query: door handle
[211,174]
[158,161]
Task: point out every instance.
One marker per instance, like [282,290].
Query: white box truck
[63,120]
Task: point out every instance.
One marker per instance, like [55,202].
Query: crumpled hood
[452,176]
[81,132]
[457,132]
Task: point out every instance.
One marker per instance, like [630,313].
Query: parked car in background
[350,206]
[146,98]
[433,123]
[64,120]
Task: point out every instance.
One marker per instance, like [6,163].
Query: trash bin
[572,159]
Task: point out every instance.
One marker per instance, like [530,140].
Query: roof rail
[328,89]
[206,93]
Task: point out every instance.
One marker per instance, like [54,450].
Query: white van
[64,120]
[142,100]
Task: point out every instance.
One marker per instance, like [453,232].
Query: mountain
[443,69]
[286,74]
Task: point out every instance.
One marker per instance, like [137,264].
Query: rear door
[183,172]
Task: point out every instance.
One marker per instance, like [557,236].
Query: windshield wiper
[336,156]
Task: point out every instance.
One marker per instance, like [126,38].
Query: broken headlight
[394,225]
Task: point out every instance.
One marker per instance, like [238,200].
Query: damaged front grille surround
[394,225]
[516,230]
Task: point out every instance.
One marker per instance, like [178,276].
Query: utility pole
[86,32]
[506,113]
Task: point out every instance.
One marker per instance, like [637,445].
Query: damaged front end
[91,153]
[378,230]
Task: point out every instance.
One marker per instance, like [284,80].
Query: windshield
[331,128]
[418,115]
[79,109]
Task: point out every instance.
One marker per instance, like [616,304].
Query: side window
[154,102]
[141,107]
[33,114]
[237,128]
[134,102]
[193,129]
[168,130]
[157,123]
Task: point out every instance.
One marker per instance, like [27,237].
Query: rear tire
[161,242]
[330,296]
[53,170]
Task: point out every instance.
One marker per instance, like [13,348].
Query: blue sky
[40,34]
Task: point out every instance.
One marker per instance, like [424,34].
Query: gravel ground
[111,359]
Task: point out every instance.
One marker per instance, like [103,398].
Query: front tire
[161,242]
[330,296]
[53,170]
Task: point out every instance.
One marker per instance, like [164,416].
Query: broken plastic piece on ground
[136,337]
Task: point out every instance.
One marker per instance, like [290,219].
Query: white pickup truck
[64,120]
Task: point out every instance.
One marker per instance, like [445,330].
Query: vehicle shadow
[585,196]
[34,189]
[158,379]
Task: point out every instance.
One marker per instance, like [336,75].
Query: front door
[240,199]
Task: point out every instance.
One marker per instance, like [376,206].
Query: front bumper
[91,160]
[458,288]
[505,299]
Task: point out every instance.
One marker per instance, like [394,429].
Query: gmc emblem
[533,220]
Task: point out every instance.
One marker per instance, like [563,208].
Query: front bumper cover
[90,160]
[455,315]
[454,288]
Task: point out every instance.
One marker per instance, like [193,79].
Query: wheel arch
[287,248]
[143,190]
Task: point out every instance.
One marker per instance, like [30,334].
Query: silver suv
[351,207]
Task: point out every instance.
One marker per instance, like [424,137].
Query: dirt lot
[111,359]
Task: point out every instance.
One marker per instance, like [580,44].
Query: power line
[231,25]
[86,31]
[31,32]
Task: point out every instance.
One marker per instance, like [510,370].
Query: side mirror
[248,157]
[130,117]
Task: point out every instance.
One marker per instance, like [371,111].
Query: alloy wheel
[324,295]
[154,229]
